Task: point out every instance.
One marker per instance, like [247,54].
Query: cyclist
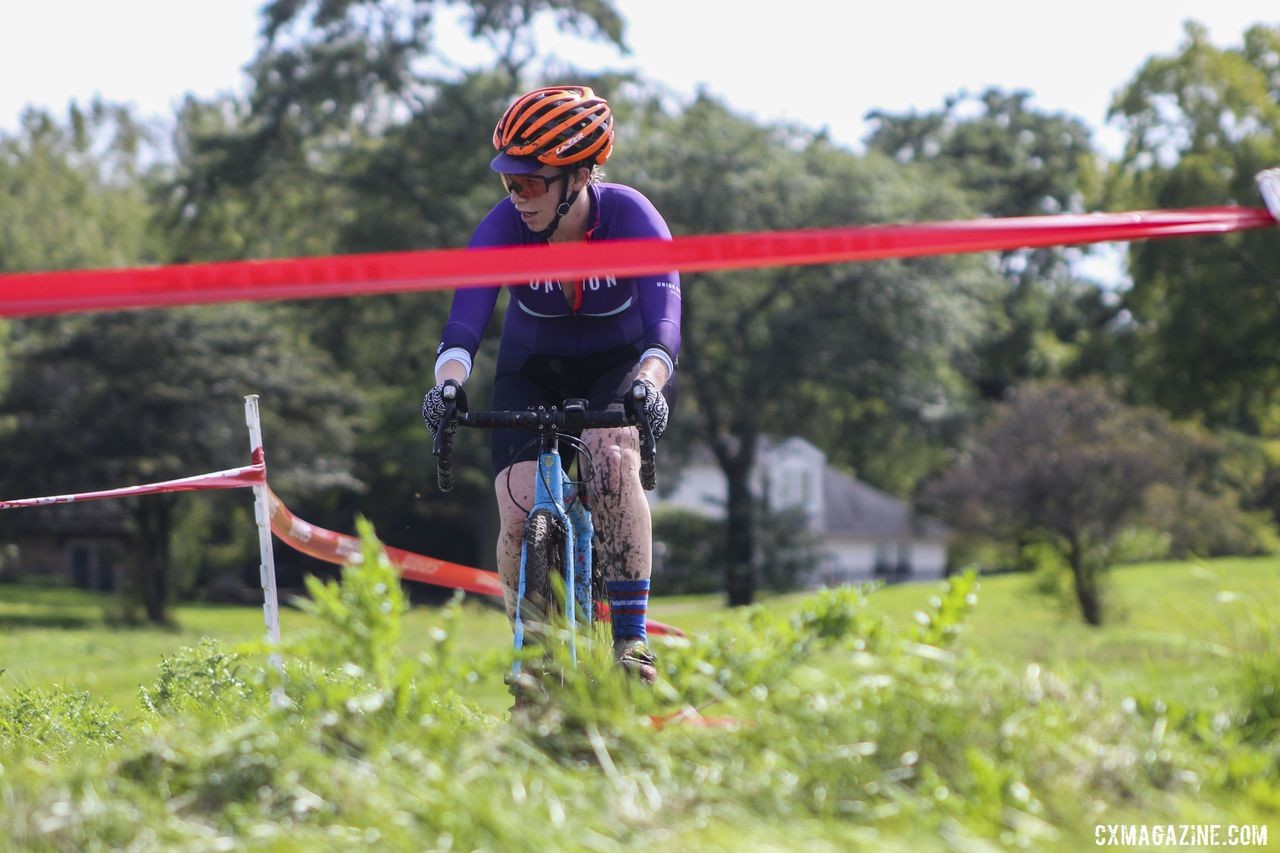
[589,339]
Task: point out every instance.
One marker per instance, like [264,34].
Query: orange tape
[340,548]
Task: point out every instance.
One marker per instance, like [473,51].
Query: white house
[864,533]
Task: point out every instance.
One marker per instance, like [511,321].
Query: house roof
[854,508]
[850,507]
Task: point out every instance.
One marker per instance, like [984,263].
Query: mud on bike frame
[558,527]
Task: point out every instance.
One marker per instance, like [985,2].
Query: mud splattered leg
[511,513]
[624,529]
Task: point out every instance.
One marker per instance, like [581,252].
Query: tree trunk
[1088,592]
[154,517]
[740,580]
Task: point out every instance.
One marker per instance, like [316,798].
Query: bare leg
[512,514]
[624,529]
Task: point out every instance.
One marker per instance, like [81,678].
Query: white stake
[1269,185]
[267,568]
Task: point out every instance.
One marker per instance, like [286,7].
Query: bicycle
[558,530]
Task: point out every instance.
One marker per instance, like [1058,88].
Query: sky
[821,63]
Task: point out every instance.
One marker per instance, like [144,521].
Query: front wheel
[542,558]
[599,598]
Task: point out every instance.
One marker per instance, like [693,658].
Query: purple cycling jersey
[613,312]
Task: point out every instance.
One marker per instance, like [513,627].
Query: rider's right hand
[434,403]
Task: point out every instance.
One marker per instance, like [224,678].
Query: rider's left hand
[655,407]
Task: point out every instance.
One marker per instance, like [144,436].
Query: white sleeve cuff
[457,354]
[661,355]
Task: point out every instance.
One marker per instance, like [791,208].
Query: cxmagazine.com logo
[1180,835]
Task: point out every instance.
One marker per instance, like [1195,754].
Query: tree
[1014,160]
[71,193]
[115,399]
[1200,124]
[359,135]
[866,360]
[334,77]
[1066,465]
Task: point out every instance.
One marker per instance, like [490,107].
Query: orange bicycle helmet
[553,126]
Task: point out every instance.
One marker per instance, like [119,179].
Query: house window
[903,569]
[795,489]
[108,560]
[82,567]
[94,567]
[893,560]
[884,561]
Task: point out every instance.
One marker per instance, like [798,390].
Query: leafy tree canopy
[1014,160]
[865,359]
[1069,465]
[1200,124]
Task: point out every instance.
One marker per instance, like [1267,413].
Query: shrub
[206,679]
[53,721]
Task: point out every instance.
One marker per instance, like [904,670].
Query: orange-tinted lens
[530,186]
[526,186]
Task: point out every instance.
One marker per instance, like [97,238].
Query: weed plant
[823,728]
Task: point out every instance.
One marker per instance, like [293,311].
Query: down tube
[583,533]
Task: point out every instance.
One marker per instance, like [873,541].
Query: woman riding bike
[588,339]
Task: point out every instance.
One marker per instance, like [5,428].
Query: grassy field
[1169,626]
[904,720]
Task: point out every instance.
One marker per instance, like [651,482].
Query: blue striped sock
[629,605]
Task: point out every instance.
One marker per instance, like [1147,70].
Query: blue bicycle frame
[554,493]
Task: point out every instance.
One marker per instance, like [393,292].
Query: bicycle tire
[544,558]
[599,595]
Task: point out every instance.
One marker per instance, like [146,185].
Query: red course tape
[306,538]
[232,478]
[27,294]
[355,275]
[341,549]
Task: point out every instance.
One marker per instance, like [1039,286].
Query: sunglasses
[529,187]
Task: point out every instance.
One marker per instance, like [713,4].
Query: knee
[616,467]
[511,509]
[510,516]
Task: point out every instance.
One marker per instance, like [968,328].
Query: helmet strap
[562,209]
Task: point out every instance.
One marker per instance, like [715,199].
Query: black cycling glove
[433,405]
[655,407]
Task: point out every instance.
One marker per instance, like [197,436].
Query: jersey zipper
[575,304]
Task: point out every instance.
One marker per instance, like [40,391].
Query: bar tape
[23,294]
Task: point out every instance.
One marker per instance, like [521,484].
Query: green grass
[1025,728]
[1169,625]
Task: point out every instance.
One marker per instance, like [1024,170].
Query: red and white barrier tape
[232,478]
[395,272]
[307,538]
[340,548]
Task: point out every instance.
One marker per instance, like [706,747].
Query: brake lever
[648,443]
[454,401]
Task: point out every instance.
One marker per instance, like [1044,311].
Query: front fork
[553,492]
